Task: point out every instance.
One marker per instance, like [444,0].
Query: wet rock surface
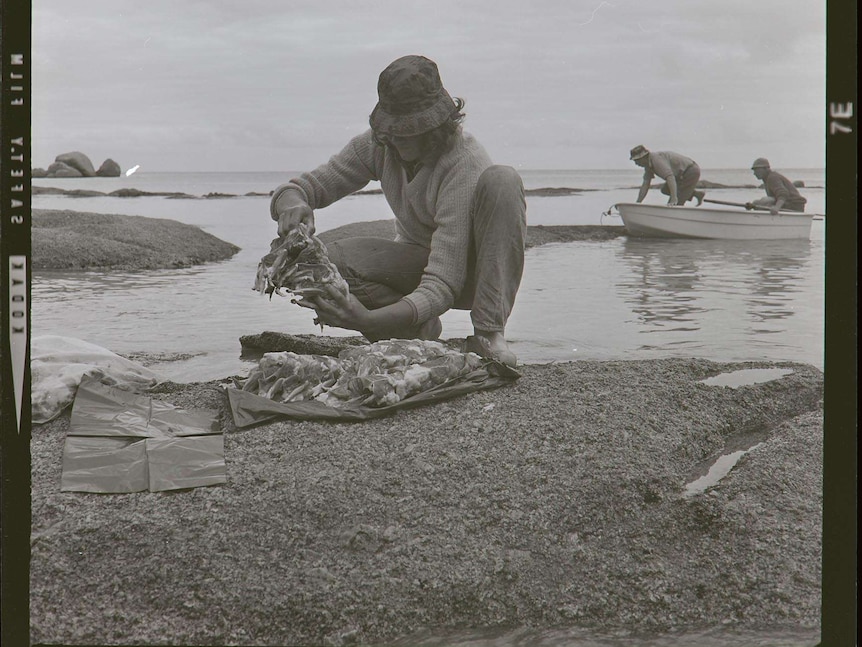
[270,341]
[553,502]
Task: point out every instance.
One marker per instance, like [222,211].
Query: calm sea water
[620,299]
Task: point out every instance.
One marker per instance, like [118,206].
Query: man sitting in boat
[679,172]
[780,192]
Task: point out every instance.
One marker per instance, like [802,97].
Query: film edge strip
[15,265]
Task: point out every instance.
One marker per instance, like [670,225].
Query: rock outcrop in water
[109,168]
[70,240]
[77,164]
[61,169]
[78,161]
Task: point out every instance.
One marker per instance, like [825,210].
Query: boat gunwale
[668,218]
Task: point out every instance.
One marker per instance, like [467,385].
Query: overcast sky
[275,85]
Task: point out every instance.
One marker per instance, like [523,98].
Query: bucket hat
[638,151]
[760,162]
[411,98]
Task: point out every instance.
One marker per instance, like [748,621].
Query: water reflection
[622,298]
[776,279]
[662,282]
[680,281]
[80,284]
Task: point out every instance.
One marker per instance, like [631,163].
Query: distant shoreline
[178,195]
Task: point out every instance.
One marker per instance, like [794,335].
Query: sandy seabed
[557,501]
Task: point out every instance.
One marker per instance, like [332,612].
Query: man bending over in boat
[780,192]
[679,172]
[460,220]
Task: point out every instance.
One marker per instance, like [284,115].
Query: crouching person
[780,192]
[460,220]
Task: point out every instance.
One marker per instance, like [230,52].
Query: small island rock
[61,169]
[77,160]
[109,168]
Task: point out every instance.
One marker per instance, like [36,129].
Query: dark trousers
[685,184]
[380,272]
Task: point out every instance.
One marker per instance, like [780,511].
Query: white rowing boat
[705,222]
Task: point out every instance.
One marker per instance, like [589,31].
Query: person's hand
[672,202]
[292,210]
[749,206]
[335,309]
[773,211]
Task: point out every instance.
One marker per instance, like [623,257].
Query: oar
[738,204]
[756,206]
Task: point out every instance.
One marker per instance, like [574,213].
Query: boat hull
[660,221]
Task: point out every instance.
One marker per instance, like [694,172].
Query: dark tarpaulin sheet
[102,464]
[190,461]
[121,442]
[101,410]
[251,409]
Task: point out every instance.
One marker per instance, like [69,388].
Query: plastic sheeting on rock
[250,409]
[192,461]
[120,442]
[59,364]
[100,464]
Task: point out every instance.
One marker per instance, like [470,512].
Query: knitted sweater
[666,163]
[431,210]
[777,186]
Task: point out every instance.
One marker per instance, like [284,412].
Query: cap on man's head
[411,98]
[637,152]
[760,162]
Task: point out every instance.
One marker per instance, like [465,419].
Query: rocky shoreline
[138,193]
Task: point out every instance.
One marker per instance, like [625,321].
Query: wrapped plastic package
[59,364]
